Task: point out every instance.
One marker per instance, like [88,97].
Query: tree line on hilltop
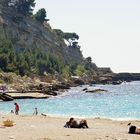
[25,8]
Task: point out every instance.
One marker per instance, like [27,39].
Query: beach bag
[8,123]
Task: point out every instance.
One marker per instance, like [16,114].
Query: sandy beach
[51,128]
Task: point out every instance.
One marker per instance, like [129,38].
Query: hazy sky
[109,30]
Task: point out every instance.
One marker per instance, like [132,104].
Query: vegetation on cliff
[24,7]
[29,46]
[36,61]
[26,61]
[31,58]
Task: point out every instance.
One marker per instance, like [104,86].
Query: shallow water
[120,102]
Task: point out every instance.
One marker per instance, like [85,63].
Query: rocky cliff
[24,32]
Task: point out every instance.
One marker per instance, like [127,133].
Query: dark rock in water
[117,82]
[6,97]
[85,89]
[54,93]
[96,90]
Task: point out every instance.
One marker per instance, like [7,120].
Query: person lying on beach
[133,129]
[72,123]
[83,124]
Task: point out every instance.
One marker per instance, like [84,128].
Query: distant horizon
[109,30]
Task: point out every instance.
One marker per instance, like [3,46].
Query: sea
[120,102]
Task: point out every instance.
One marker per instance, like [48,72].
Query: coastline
[71,105]
[51,128]
[6,114]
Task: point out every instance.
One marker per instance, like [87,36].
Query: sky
[109,30]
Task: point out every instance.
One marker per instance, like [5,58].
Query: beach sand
[51,128]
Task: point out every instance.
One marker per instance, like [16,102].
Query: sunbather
[83,124]
[72,123]
[133,129]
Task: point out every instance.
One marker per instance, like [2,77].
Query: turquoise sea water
[120,102]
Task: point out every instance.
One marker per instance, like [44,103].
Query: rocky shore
[18,87]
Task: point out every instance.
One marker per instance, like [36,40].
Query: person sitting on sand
[72,123]
[133,129]
[11,111]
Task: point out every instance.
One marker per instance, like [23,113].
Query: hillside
[28,46]
[24,32]
[33,48]
[34,54]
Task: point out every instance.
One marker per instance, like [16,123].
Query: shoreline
[74,116]
[51,128]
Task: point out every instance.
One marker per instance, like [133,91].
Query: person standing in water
[16,108]
[35,112]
